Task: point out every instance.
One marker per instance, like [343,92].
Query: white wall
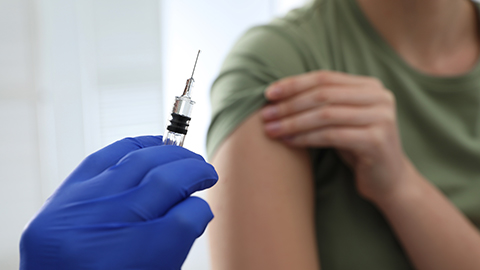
[76,75]
[20,192]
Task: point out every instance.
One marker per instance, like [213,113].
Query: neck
[439,37]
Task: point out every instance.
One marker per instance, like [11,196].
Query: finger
[169,184]
[180,227]
[190,217]
[110,155]
[326,95]
[324,116]
[166,186]
[130,171]
[162,188]
[293,85]
[344,138]
[159,244]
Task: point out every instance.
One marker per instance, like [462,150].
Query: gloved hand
[127,206]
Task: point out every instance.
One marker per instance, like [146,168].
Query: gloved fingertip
[205,208]
[191,215]
[201,175]
[214,171]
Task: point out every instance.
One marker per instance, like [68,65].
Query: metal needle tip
[195,63]
[188,87]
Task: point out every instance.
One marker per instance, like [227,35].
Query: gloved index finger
[161,189]
[130,171]
[169,184]
[110,155]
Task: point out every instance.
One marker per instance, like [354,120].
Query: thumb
[190,218]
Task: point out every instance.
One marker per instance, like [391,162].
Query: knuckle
[330,136]
[321,97]
[375,82]
[34,232]
[389,117]
[325,114]
[290,125]
[285,108]
[323,76]
[100,157]
[137,157]
[290,83]
[389,97]
[383,115]
[94,159]
[128,140]
[38,234]
[376,138]
[343,136]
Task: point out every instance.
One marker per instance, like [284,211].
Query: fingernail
[274,92]
[270,112]
[273,127]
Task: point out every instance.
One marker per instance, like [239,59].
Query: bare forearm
[433,232]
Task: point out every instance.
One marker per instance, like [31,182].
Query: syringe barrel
[176,131]
[173,138]
[183,106]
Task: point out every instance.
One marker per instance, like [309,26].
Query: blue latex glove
[127,206]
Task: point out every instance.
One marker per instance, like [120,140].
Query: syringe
[182,110]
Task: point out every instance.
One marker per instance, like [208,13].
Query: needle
[188,86]
[195,63]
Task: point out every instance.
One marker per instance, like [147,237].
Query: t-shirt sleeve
[264,54]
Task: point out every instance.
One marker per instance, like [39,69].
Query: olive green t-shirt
[438,118]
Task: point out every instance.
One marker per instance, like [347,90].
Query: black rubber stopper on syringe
[179,123]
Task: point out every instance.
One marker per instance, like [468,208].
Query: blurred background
[76,75]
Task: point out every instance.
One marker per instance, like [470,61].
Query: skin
[437,37]
[263,206]
[322,109]
[355,115]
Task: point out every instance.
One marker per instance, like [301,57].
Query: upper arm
[263,203]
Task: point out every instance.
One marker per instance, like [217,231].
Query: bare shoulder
[249,140]
[263,203]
